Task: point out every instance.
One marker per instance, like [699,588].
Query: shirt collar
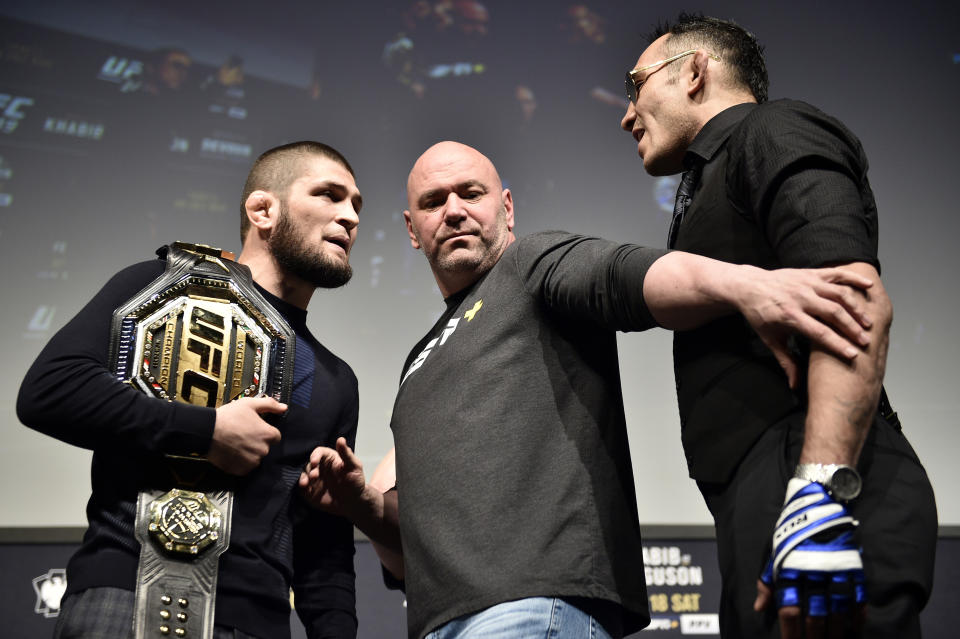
[295,315]
[714,133]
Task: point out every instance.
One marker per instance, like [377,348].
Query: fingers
[271,435]
[816,627]
[836,626]
[312,476]
[350,460]
[827,339]
[810,302]
[836,307]
[332,478]
[847,317]
[850,300]
[859,618]
[794,624]
[322,459]
[816,606]
[840,275]
[791,623]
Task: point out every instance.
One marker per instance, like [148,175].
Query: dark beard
[314,267]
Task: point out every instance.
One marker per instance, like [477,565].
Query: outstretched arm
[826,305]
[333,481]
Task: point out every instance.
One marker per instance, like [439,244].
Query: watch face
[845,483]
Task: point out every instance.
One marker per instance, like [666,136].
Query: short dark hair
[278,167]
[736,46]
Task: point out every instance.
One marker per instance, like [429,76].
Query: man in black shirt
[518,501]
[780,184]
[299,217]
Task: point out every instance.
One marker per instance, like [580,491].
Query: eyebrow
[432,193]
[342,191]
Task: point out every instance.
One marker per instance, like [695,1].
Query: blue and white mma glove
[815,563]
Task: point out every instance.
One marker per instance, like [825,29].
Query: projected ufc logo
[11,111]
[122,71]
[203,348]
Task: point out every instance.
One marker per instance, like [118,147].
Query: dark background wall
[683,585]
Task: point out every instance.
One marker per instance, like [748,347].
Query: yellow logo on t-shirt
[473,311]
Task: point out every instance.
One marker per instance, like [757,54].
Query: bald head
[459,213]
[446,158]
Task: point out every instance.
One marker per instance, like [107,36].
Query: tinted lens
[631,88]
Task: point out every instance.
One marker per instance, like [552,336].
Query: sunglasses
[633,85]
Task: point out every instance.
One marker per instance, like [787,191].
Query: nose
[629,118]
[347,216]
[453,211]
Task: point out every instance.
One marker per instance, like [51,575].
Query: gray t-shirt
[513,464]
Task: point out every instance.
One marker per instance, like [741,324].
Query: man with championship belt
[172,376]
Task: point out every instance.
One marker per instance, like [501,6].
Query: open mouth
[342,242]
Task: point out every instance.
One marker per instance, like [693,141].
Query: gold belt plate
[184,522]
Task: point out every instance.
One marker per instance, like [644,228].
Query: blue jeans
[532,618]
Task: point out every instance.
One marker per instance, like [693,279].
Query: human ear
[507,198]
[414,242]
[262,208]
[697,72]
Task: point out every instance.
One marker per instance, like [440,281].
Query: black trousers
[898,529]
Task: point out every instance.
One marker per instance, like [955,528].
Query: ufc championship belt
[200,334]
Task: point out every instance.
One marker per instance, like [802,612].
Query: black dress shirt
[783,185]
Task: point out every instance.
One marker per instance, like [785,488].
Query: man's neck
[268,274]
[453,284]
[714,107]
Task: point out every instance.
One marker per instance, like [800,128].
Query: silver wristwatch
[841,481]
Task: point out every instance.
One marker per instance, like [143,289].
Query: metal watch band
[820,473]
[841,481]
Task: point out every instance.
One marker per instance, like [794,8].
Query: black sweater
[277,541]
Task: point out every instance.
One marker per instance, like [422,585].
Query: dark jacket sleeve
[588,278]
[324,579]
[69,392]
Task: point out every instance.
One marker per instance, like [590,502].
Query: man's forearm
[843,395]
[391,557]
[377,517]
[683,290]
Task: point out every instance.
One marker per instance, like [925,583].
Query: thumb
[764,596]
[268,405]
[783,357]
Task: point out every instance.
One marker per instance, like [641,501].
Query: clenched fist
[241,438]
